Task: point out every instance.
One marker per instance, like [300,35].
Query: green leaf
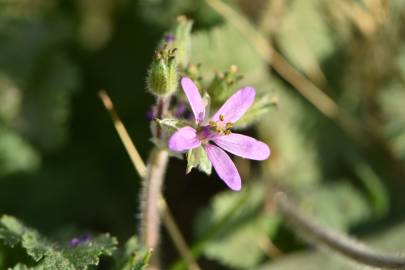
[10,230]
[89,252]
[20,266]
[290,132]
[134,257]
[34,245]
[216,50]
[198,158]
[52,255]
[390,241]
[10,99]
[304,36]
[46,81]
[391,99]
[338,205]
[377,193]
[15,153]
[247,230]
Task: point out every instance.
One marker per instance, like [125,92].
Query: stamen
[221,117]
[229,125]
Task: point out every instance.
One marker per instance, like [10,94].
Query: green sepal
[171,123]
[261,107]
[162,77]
[198,158]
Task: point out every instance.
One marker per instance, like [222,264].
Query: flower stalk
[150,197]
[151,192]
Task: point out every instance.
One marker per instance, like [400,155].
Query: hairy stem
[336,241]
[150,197]
[140,167]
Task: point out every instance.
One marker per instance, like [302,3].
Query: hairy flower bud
[181,40]
[221,86]
[163,78]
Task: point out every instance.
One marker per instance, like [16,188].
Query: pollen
[229,125]
[212,123]
[221,128]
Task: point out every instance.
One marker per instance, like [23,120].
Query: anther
[229,125]
[221,117]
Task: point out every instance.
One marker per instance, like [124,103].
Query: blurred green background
[63,167]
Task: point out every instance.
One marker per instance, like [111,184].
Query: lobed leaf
[50,255]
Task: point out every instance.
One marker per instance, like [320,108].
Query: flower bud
[221,86]
[163,78]
[181,40]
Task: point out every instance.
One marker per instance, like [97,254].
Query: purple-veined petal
[224,166]
[184,139]
[194,98]
[243,146]
[236,105]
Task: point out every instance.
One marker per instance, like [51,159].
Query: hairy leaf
[52,255]
[134,257]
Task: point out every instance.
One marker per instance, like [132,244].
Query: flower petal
[236,105]
[243,146]
[184,139]
[194,98]
[224,166]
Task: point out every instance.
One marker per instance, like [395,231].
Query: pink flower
[217,131]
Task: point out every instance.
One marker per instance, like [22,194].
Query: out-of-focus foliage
[243,234]
[61,163]
[389,241]
[133,257]
[49,255]
[36,84]
[162,13]
[339,181]
[216,50]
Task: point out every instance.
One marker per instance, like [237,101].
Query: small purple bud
[80,240]
[74,242]
[150,115]
[169,38]
[85,237]
[180,110]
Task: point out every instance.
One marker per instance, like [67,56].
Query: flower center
[221,126]
[214,128]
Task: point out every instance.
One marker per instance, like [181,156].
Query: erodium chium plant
[270,133]
[181,122]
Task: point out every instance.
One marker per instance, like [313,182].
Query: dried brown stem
[334,240]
